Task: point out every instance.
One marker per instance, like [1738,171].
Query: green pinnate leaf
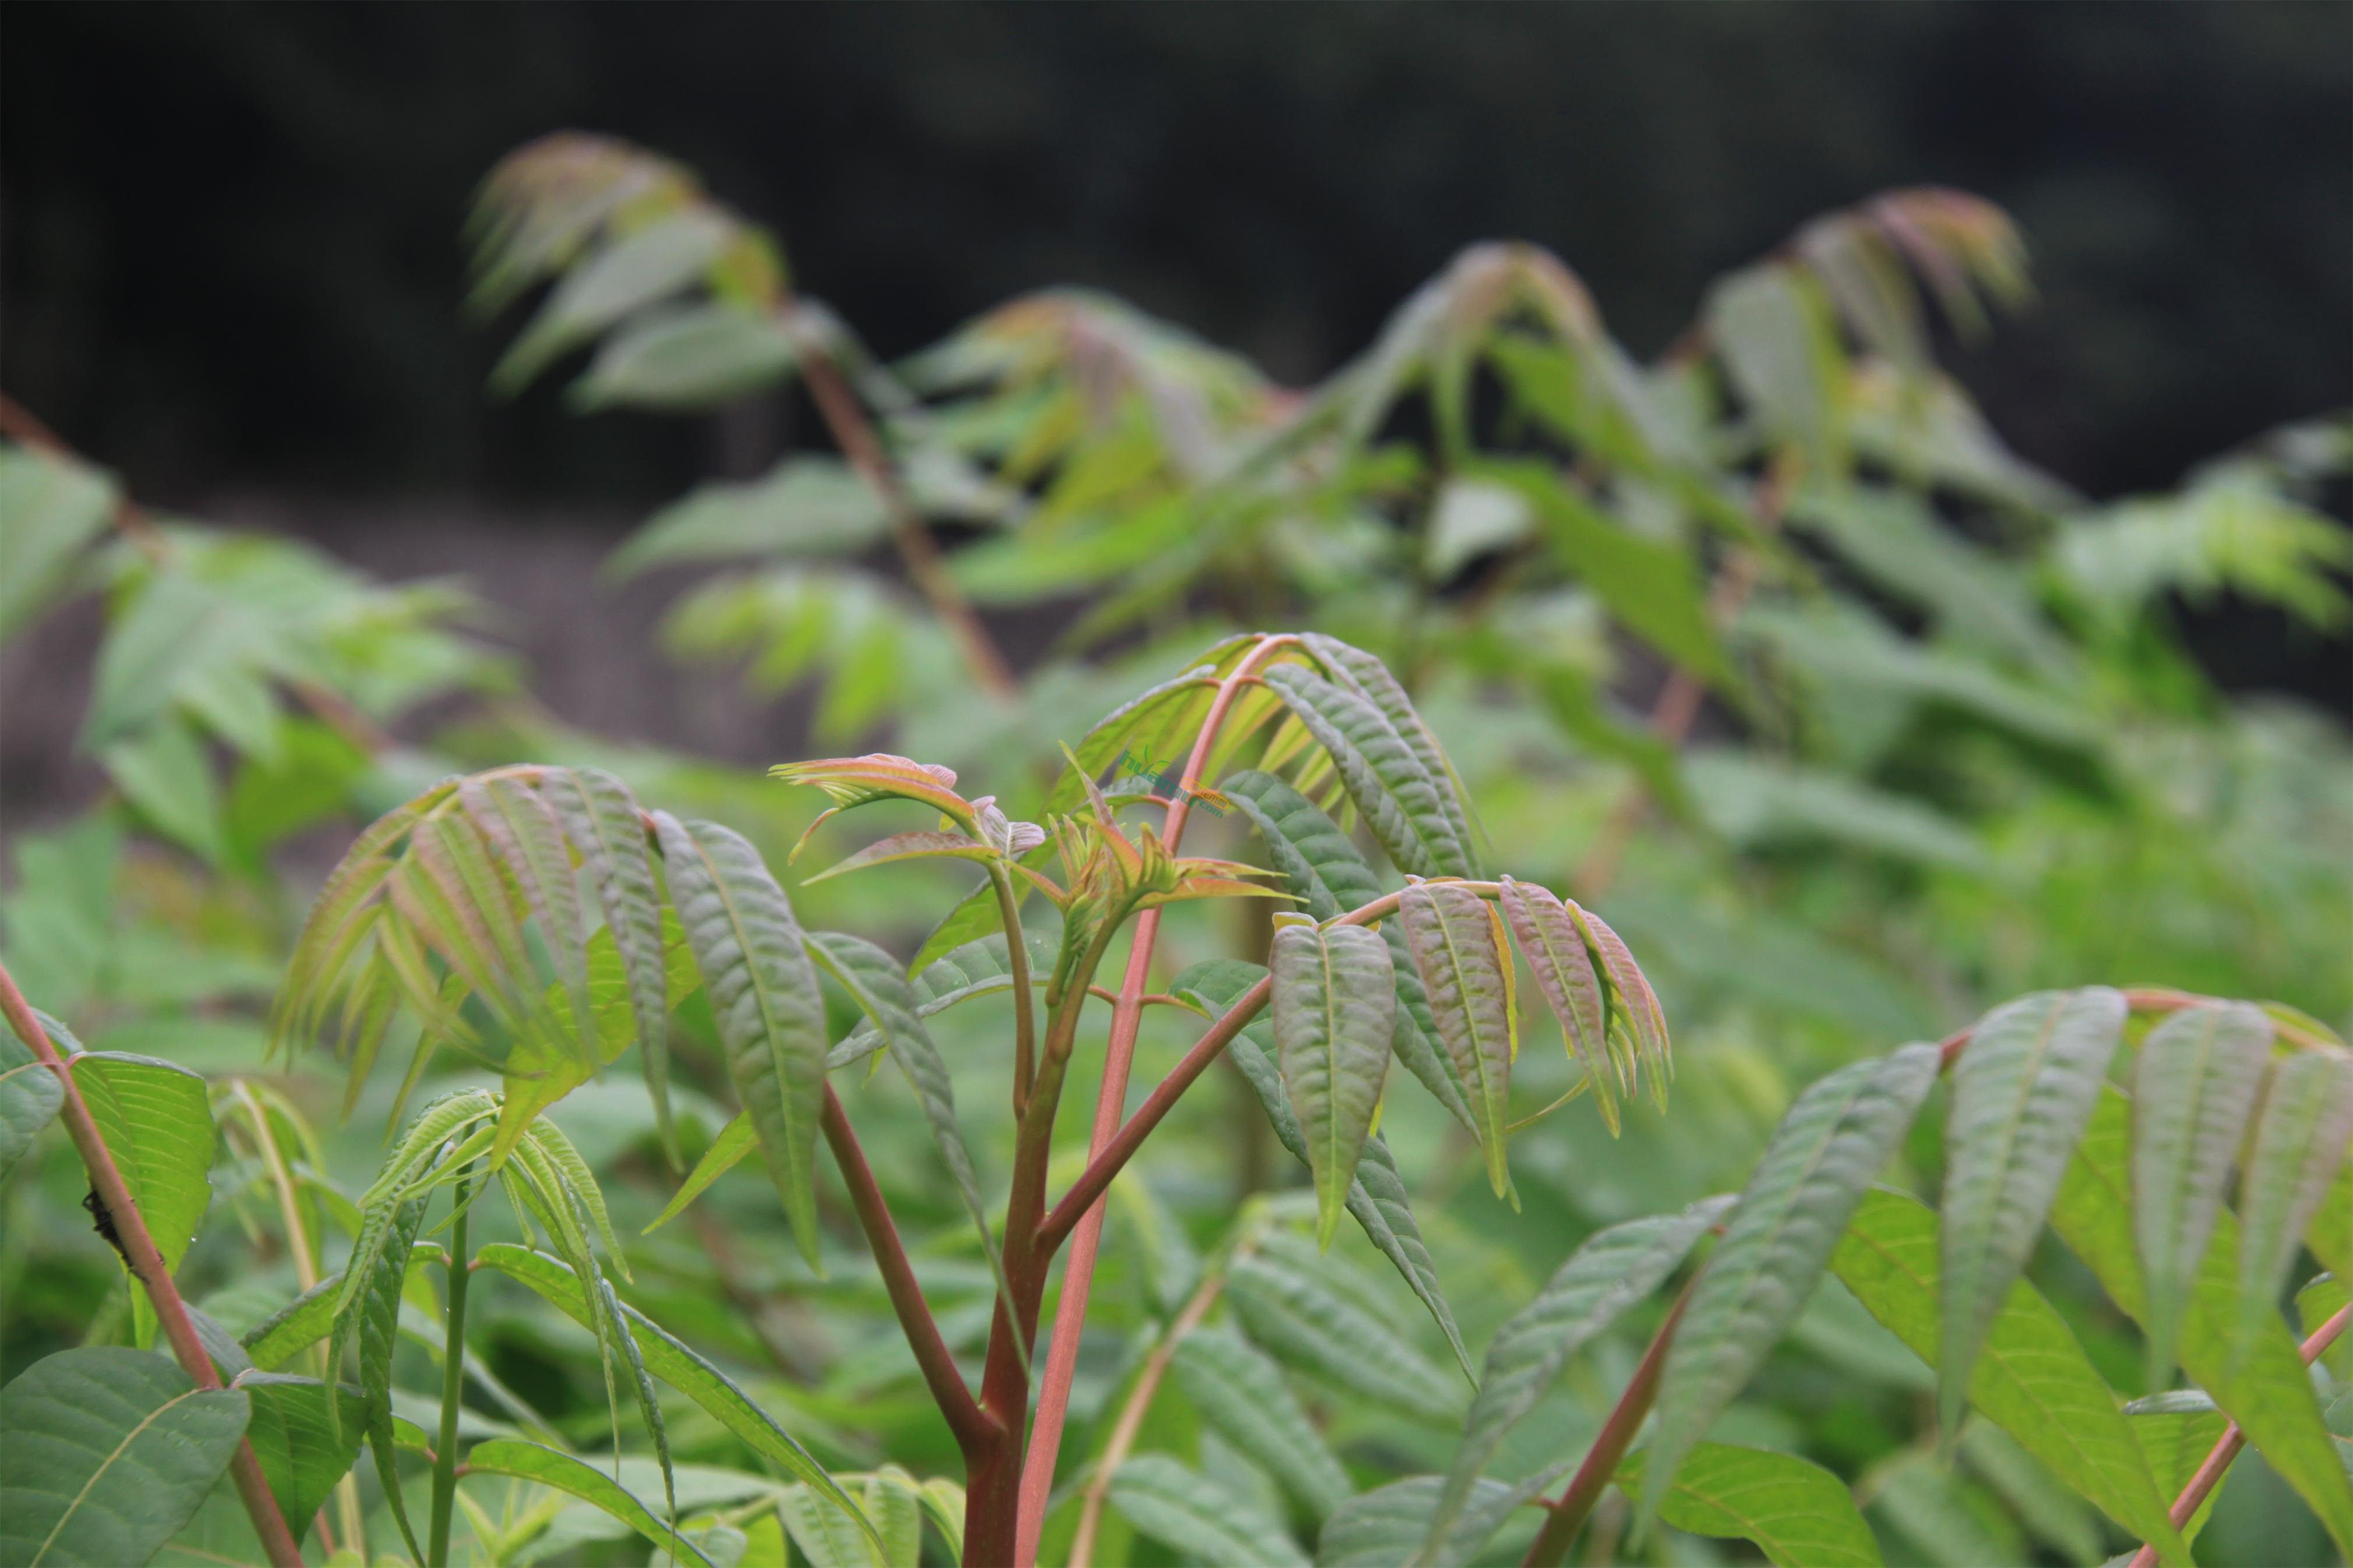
[1384,1527]
[1554,948]
[1613,1270]
[304,1449]
[763,995]
[1828,1149]
[1334,1002]
[528,1461]
[110,1451]
[2260,1381]
[2032,1379]
[1329,877]
[1312,1318]
[1241,1392]
[2022,1092]
[1367,678]
[2194,1085]
[521,829]
[1402,803]
[2303,1134]
[1195,1515]
[1797,1514]
[29,1096]
[1452,941]
[601,819]
[668,1359]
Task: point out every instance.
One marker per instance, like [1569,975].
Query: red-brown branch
[1119,1057]
[972,1426]
[147,1263]
[1568,1513]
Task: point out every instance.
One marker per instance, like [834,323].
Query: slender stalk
[2226,1448]
[971,1427]
[1679,700]
[1131,1416]
[147,1263]
[1017,966]
[1568,1512]
[453,1384]
[854,434]
[1119,1057]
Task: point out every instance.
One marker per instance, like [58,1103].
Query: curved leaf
[521,828]
[734,1141]
[2260,1382]
[1402,803]
[110,1451]
[668,1359]
[763,996]
[529,1462]
[2302,1133]
[2032,1380]
[29,1096]
[1827,1149]
[1329,877]
[1300,1316]
[1193,1513]
[155,1118]
[2193,1086]
[2022,1094]
[1241,1393]
[1556,951]
[304,1447]
[1454,947]
[1614,1269]
[1334,1004]
[1631,999]
[1369,679]
[600,818]
[1378,1199]
[1797,1514]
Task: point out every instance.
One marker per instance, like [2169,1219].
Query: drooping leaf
[600,818]
[667,1359]
[1453,948]
[2260,1382]
[632,271]
[157,1121]
[1366,676]
[1384,1527]
[1334,1007]
[2032,1379]
[49,508]
[29,1096]
[2302,1133]
[734,1141]
[1613,1270]
[1797,1514]
[1634,1006]
[2022,1094]
[2193,1086]
[1329,877]
[110,1452]
[367,1315]
[1555,949]
[873,979]
[1194,1514]
[1242,1395]
[528,1461]
[1378,1199]
[304,1448]
[1406,808]
[521,829]
[686,357]
[1828,1149]
[765,996]
[1298,1314]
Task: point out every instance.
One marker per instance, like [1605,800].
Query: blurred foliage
[1924,735]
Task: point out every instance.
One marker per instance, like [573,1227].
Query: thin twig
[147,1263]
[2218,1460]
[854,434]
[1119,1057]
[1017,967]
[1568,1512]
[971,1425]
[1131,1416]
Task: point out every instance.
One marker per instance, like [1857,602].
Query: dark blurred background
[232,269]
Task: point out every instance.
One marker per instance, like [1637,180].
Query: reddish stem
[1570,1510]
[972,1426]
[1127,1013]
[147,1263]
